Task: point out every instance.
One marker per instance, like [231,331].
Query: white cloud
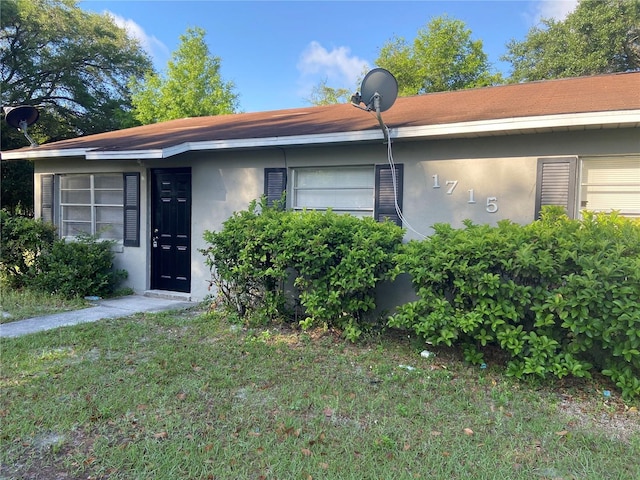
[338,66]
[556,9]
[154,47]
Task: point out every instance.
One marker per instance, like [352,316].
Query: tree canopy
[442,57]
[193,85]
[322,94]
[599,36]
[72,64]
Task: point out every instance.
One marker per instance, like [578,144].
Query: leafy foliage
[32,257]
[73,64]
[193,86]
[442,57]
[322,94]
[79,268]
[559,296]
[16,194]
[327,262]
[24,242]
[599,36]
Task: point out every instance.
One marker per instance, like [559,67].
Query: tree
[322,94]
[193,86]
[74,65]
[599,36]
[71,64]
[442,57]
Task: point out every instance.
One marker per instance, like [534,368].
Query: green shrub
[22,243]
[241,259]
[333,262]
[560,296]
[80,267]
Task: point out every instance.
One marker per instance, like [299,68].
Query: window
[106,205]
[611,184]
[604,184]
[92,204]
[360,191]
[344,190]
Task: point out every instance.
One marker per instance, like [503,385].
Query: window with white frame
[342,189]
[608,184]
[363,191]
[92,204]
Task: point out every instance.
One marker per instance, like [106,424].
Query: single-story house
[482,154]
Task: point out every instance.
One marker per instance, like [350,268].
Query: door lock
[154,239]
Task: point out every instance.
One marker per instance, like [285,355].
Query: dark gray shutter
[132,209]
[46,198]
[556,184]
[275,183]
[385,194]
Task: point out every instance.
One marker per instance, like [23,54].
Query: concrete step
[180,296]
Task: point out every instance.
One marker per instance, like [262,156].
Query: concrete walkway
[110,308]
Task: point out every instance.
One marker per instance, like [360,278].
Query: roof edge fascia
[474,128]
[34,153]
[487,127]
[236,144]
[516,124]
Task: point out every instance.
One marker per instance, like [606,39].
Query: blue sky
[275,51]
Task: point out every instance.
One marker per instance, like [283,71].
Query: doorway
[171,229]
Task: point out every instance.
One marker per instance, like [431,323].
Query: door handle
[154,239]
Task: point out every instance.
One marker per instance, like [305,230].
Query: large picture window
[608,184]
[602,184]
[92,204]
[366,191]
[344,189]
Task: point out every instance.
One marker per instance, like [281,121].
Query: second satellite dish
[378,91]
[22,116]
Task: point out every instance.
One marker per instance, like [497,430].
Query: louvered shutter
[385,194]
[275,183]
[46,198]
[556,184]
[132,209]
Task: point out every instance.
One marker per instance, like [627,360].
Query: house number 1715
[491,205]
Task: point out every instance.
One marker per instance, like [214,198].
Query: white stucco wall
[499,170]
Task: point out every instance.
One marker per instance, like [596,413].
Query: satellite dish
[21,117]
[379,90]
[15,116]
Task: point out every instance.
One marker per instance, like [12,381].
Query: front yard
[191,395]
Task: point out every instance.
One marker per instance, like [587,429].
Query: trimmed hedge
[559,296]
[32,257]
[79,268]
[333,262]
[23,241]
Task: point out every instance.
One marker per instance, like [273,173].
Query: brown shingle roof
[603,93]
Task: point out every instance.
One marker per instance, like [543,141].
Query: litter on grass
[407,367]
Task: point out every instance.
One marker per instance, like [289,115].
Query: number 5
[492,204]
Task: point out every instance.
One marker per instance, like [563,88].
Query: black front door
[171,229]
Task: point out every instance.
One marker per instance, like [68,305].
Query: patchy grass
[25,303]
[188,395]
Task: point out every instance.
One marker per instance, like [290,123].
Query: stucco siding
[484,179]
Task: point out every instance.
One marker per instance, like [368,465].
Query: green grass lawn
[24,303]
[192,396]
